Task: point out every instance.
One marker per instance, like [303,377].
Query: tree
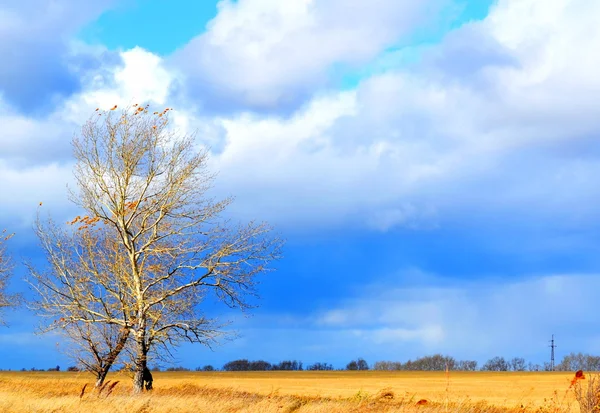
[388,365]
[466,365]
[517,364]
[80,294]
[289,365]
[579,361]
[496,364]
[436,362]
[245,365]
[319,367]
[260,365]
[178,368]
[146,187]
[96,346]
[6,300]
[362,364]
[237,365]
[353,365]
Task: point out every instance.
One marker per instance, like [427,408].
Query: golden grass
[304,392]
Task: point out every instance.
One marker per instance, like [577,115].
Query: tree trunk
[138,381]
[140,363]
[106,364]
[101,376]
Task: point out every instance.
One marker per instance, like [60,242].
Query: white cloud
[23,189]
[37,64]
[35,158]
[412,314]
[513,137]
[140,78]
[271,54]
[277,167]
[476,319]
[407,215]
[513,134]
[430,335]
[26,140]
[498,123]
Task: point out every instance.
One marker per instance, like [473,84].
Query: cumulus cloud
[39,65]
[35,151]
[29,141]
[496,123]
[411,314]
[140,78]
[271,55]
[477,319]
[510,135]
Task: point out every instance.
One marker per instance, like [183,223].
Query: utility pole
[552,346]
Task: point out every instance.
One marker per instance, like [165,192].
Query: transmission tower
[552,347]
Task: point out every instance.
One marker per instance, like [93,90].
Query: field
[308,392]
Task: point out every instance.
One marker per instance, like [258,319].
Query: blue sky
[431,164]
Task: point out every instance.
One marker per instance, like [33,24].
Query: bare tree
[388,365]
[352,365]
[579,361]
[359,364]
[146,188]
[362,364]
[96,346]
[496,364]
[81,293]
[517,364]
[6,300]
[466,365]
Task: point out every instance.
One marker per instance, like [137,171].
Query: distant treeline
[436,362]
[570,362]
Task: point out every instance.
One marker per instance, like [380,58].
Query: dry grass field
[309,392]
